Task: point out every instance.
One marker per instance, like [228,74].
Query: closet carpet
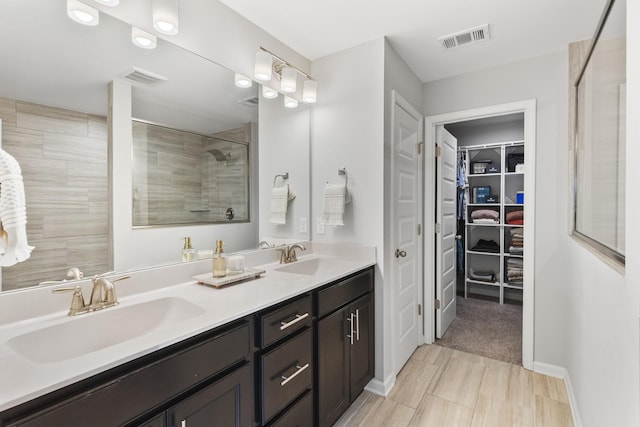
[486,328]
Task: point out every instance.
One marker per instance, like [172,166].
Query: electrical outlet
[320,226]
[303,225]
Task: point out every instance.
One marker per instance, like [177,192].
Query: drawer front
[277,324]
[344,291]
[286,373]
[299,415]
[138,391]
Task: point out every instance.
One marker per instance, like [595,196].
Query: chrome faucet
[264,245]
[103,295]
[288,253]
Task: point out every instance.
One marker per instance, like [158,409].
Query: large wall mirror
[600,144]
[54,89]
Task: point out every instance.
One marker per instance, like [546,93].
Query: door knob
[400,253]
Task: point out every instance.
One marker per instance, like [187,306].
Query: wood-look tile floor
[443,387]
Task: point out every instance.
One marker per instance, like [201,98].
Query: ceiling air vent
[138,75]
[250,102]
[462,38]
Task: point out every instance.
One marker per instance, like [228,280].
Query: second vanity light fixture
[268,64]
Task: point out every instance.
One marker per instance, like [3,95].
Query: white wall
[347,131]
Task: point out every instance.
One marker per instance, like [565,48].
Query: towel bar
[283,176]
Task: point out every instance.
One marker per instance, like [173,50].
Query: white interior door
[446,230]
[406,214]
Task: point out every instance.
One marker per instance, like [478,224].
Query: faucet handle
[77,300]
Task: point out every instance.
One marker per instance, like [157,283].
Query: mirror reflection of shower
[185,178]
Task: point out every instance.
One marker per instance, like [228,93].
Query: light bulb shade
[289,79]
[268,92]
[263,66]
[243,81]
[165,16]
[143,39]
[309,91]
[111,3]
[82,13]
[290,102]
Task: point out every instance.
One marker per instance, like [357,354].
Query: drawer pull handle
[299,370]
[351,332]
[183,423]
[299,317]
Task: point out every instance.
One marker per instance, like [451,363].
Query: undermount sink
[95,331]
[312,266]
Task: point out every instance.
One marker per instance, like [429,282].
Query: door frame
[398,100]
[528,107]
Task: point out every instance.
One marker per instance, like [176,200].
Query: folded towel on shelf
[485,221]
[485,214]
[516,250]
[483,276]
[514,216]
[516,232]
[486,246]
[334,199]
[279,204]
[516,222]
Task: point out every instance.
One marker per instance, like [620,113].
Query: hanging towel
[279,203]
[14,247]
[334,200]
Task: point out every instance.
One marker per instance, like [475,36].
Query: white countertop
[23,379]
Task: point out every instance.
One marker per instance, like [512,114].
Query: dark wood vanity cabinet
[345,353]
[197,374]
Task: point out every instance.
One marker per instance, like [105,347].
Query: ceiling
[520,29]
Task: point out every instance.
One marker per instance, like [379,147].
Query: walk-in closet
[490,243]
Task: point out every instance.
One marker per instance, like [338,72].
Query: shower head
[219,155]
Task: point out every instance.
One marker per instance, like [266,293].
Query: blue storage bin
[520,197]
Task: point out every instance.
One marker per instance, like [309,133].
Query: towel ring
[347,196]
[283,176]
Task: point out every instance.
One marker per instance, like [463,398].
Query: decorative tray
[219,282]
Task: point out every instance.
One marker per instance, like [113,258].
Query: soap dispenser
[188,253]
[219,261]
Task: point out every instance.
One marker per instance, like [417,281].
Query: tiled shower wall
[63,156]
[178,181]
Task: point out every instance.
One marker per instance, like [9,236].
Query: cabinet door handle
[350,320]
[357,325]
[299,317]
[298,371]
[183,423]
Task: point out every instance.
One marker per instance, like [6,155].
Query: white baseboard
[560,372]
[381,388]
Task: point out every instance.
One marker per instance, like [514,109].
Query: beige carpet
[486,328]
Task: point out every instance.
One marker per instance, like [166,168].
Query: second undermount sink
[312,266]
[95,331]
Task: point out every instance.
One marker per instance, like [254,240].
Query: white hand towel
[334,199]
[279,202]
[14,248]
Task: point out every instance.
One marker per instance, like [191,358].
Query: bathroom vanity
[294,347]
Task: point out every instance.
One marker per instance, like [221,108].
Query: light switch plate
[320,226]
[303,225]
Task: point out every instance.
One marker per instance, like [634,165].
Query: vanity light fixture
[268,92]
[165,16]
[143,39]
[243,81]
[269,65]
[263,66]
[82,13]
[289,80]
[111,3]
[290,102]
[309,91]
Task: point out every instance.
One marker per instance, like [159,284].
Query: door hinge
[419,229]
[437,304]
[419,309]
[437,227]
[420,145]
[438,151]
